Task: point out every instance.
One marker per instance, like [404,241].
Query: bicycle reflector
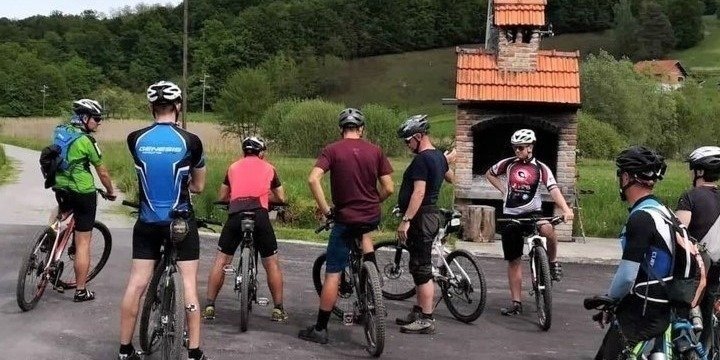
[178,230]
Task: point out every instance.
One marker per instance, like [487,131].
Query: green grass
[706,55]
[586,43]
[6,168]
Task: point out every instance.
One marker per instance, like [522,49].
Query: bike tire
[174,308]
[245,289]
[542,287]
[103,232]
[148,341]
[32,267]
[344,301]
[713,347]
[461,290]
[397,282]
[374,316]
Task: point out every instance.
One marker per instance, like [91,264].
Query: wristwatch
[406,218]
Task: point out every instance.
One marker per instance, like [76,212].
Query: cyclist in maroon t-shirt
[356,166]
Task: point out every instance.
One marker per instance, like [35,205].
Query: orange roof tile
[660,67]
[557,79]
[519,12]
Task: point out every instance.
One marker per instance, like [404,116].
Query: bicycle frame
[355,264]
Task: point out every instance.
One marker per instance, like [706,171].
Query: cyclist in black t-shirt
[421,220]
[699,210]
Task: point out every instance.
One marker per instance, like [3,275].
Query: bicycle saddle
[601,302]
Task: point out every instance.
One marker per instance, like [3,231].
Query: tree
[243,100]
[626,30]
[656,36]
[686,19]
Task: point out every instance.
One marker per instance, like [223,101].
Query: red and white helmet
[523,136]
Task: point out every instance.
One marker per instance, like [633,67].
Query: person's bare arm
[105,179]
[684,216]
[277,195]
[416,198]
[559,199]
[387,187]
[315,183]
[197,180]
[450,176]
[495,181]
[224,193]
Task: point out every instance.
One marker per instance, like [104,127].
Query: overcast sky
[20,9]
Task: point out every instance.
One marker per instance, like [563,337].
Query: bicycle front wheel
[344,301]
[542,286]
[100,247]
[32,281]
[465,292]
[245,289]
[374,311]
[393,264]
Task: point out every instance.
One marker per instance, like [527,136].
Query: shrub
[597,139]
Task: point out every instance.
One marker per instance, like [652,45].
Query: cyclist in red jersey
[251,184]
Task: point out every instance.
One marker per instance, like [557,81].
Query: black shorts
[513,236]
[148,238]
[264,235]
[83,206]
[423,229]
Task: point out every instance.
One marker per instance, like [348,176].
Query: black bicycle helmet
[351,117]
[253,145]
[417,124]
[644,163]
[164,92]
[87,107]
[705,158]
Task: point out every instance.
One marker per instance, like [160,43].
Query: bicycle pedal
[262,301]
[348,318]
[228,270]
[59,288]
[524,257]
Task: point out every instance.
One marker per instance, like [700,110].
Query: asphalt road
[60,329]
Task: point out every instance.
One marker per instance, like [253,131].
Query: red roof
[556,80]
[519,12]
[660,67]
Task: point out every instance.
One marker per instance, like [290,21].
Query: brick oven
[509,85]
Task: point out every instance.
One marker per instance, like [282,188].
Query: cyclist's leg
[84,208]
[266,245]
[512,244]
[188,253]
[145,252]
[227,245]
[548,232]
[366,243]
[707,303]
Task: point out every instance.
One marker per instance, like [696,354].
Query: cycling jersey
[164,156]
[80,155]
[704,204]
[523,181]
[251,180]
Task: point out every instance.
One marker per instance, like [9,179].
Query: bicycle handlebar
[601,303]
[531,221]
[326,226]
[201,222]
[131,204]
[105,195]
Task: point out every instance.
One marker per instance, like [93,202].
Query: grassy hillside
[707,53]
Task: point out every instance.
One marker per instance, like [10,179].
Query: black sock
[370,257]
[209,302]
[427,316]
[195,353]
[417,309]
[322,320]
[127,349]
[279,306]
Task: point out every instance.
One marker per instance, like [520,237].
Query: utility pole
[185,65]
[43,90]
[204,82]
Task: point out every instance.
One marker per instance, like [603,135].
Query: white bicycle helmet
[523,136]
[253,144]
[87,107]
[164,92]
[705,158]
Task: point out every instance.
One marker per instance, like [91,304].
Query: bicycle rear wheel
[344,301]
[374,311]
[100,247]
[542,286]
[393,264]
[174,310]
[151,330]
[464,294]
[245,259]
[32,281]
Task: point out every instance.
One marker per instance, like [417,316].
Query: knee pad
[421,274]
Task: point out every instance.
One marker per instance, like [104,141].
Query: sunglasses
[519,148]
[97,119]
[408,139]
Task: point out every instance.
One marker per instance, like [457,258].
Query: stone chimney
[517,25]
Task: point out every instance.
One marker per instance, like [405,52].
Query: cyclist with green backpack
[74,184]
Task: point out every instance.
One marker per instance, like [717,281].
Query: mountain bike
[535,250]
[245,274]
[460,277]
[53,247]
[678,342]
[163,326]
[362,280]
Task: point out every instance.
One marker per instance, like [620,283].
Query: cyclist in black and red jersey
[522,199]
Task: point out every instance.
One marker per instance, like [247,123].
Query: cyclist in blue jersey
[170,165]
